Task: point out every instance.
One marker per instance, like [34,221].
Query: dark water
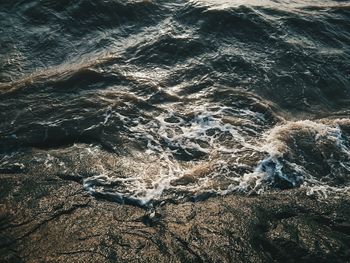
[151,101]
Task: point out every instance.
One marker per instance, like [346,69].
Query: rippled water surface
[149,101]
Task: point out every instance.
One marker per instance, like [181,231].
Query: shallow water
[149,101]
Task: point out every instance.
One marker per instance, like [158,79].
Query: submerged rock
[51,219]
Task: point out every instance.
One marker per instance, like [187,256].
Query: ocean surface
[144,102]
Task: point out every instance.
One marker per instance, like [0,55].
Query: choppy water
[150,101]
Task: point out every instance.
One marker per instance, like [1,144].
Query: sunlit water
[149,101]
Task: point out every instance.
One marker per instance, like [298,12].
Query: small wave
[307,154]
[58,74]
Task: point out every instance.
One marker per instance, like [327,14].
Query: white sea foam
[169,132]
[277,146]
[199,134]
[186,150]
